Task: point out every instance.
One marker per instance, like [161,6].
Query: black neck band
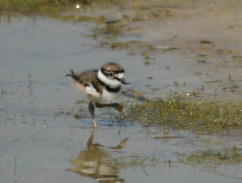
[110,89]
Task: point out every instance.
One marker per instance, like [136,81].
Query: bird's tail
[72,74]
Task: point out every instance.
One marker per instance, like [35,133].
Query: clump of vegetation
[185,113]
[215,157]
[37,6]
[31,6]
[146,49]
[130,45]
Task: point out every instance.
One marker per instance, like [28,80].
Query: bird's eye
[110,74]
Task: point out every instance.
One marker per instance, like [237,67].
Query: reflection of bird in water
[96,163]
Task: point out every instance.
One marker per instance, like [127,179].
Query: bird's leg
[91,108]
[116,106]
[90,140]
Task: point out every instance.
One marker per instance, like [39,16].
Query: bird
[101,86]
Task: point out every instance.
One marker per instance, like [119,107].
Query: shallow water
[41,142]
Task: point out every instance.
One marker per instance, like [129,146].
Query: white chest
[107,96]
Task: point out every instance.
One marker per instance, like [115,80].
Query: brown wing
[86,78]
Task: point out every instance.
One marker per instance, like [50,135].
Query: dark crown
[112,68]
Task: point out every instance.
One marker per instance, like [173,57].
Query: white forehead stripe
[113,83]
[120,75]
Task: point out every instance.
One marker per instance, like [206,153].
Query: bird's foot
[124,113]
[94,124]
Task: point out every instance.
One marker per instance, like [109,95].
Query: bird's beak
[122,80]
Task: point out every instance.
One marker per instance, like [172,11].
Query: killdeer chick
[101,86]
